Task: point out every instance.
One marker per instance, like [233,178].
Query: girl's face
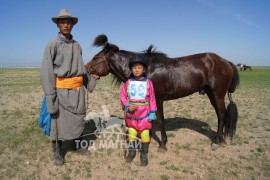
[137,70]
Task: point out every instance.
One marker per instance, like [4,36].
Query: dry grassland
[191,123]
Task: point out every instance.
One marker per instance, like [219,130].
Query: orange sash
[69,83]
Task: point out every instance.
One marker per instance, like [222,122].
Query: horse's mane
[151,51]
[126,53]
[154,56]
[102,40]
[151,54]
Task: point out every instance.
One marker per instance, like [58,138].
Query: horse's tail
[235,80]
[231,118]
[231,115]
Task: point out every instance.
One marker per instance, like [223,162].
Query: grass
[164,177]
[163,162]
[172,167]
[171,135]
[259,77]
[19,80]
[26,154]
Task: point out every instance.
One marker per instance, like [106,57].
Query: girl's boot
[131,152]
[144,154]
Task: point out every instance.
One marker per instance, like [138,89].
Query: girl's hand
[131,108]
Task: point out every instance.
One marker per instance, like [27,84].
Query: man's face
[65,25]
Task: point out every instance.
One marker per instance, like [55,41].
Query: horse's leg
[160,118]
[219,105]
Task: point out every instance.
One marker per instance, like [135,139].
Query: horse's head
[99,64]
[109,60]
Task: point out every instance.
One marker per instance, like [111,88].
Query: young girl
[138,100]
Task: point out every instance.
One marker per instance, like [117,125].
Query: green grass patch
[171,135]
[260,149]
[259,77]
[172,167]
[163,163]
[14,80]
[164,177]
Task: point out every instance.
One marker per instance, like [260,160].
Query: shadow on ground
[88,135]
[173,124]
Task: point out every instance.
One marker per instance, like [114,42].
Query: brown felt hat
[64,13]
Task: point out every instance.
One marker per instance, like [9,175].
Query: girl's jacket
[141,94]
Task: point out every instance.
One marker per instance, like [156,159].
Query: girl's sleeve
[152,97]
[124,96]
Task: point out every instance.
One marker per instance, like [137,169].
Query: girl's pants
[133,133]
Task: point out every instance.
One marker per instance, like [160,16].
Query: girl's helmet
[137,58]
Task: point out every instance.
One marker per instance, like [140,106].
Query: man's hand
[55,115]
[96,76]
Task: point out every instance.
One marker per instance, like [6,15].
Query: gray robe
[63,58]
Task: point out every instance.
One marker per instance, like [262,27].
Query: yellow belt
[69,83]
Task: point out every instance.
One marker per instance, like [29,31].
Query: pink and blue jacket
[141,94]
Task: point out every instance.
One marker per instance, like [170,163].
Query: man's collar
[63,38]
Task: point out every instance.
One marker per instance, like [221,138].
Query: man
[62,78]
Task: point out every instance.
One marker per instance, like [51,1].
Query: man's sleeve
[48,80]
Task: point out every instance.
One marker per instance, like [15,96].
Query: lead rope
[125,130]
[87,90]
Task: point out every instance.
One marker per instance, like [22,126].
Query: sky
[237,30]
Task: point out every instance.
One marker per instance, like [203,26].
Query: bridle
[104,59]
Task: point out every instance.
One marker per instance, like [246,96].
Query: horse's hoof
[162,149]
[214,146]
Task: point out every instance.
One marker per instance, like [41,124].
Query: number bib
[137,90]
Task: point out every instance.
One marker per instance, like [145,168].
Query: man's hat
[64,13]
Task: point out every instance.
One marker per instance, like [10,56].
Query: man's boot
[144,154]
[131,151]
[58,157]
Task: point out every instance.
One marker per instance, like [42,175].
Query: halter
[104,59]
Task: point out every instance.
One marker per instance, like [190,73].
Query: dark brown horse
[175,78]
[247,68]
[244,67]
